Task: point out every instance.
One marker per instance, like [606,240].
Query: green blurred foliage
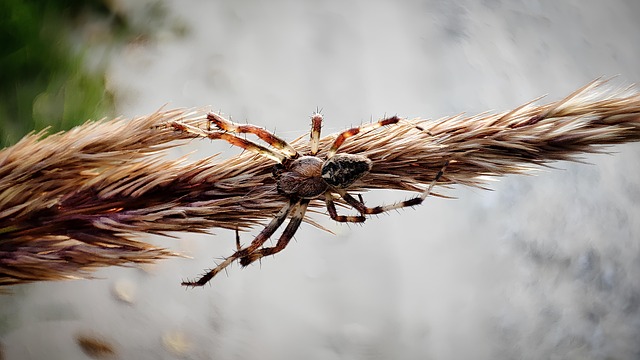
[43,79]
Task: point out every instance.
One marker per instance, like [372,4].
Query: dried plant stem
[75,201]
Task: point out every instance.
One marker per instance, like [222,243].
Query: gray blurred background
[543,267]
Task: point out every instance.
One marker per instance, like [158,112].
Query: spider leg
[230,138]
[268,230]
[266,136]
[283,241]
[331,207]
[356,130]
[316,126]
[363,209]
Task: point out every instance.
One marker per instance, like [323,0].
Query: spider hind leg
[260,239]
[283,241]
[331,207]
[365,210]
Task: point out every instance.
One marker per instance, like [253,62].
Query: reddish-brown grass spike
[83,199]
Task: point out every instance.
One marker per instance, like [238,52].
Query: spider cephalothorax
[300,178]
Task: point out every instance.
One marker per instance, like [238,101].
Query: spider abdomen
[342,170]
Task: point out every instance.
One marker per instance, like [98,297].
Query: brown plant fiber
[75,201]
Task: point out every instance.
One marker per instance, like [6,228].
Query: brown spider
[301,178]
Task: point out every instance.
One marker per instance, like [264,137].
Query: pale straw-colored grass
[83,199]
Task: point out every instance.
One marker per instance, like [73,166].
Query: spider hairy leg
[363,209]
[316,126]
[268,230]
[361,129]
[283,241]
[266,136]
[230,138]
[331,207]
[238,246]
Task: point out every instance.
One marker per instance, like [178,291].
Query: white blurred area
[543,267]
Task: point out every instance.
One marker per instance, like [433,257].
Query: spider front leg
[228,137]
[283,241]
[266,136]
[316,126]
[241,254]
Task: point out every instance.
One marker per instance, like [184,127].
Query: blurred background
[544,266]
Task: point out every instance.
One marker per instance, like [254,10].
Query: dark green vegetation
[45,76]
